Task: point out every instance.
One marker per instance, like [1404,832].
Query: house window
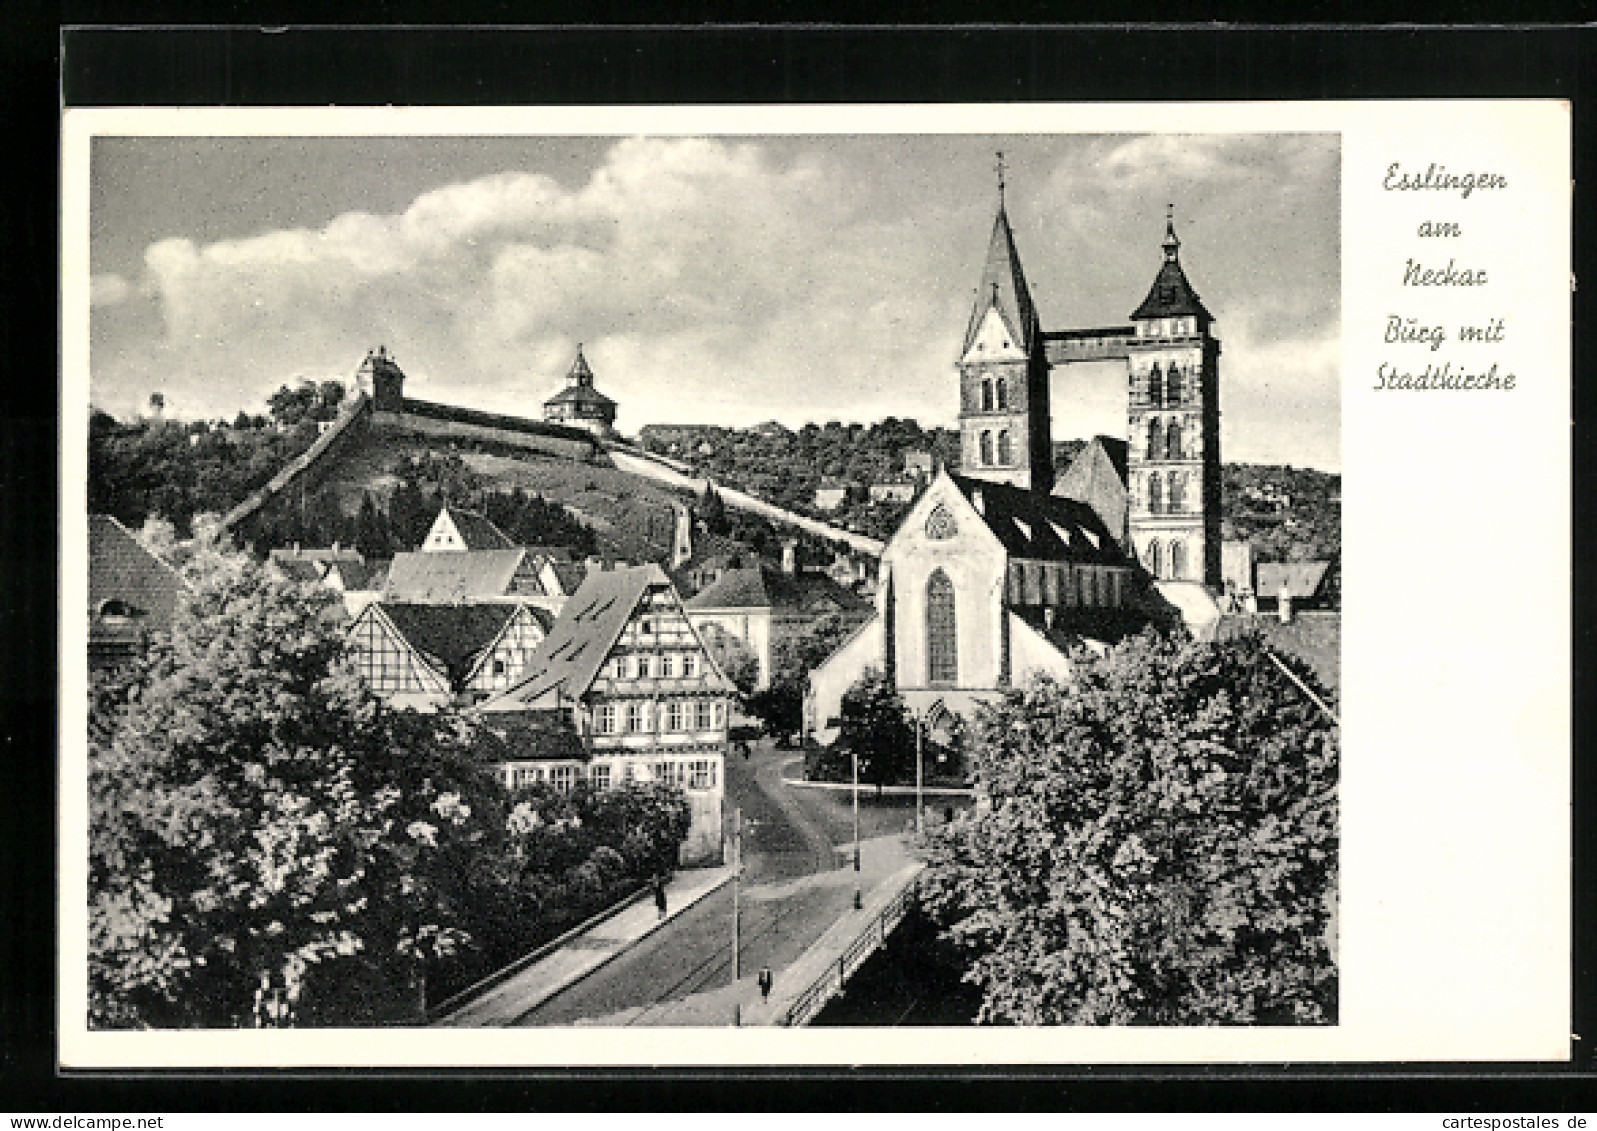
[1155,439]
[986,394]
[1178,559]
[599,775]
[563,778]
[702,715]
[673,716]
[635,718]
[1155,494]
[1155,387]
[720,716]
[1172,388]
[644,667]
[1172,440]
[605,719]
[668,664]
[499,667]
[987,449]
[701,774]
[1005,454]
[942,638]
[1001,387]
[646,627]
[690,665]
[1155,559]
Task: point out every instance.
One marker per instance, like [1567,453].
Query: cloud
[108,290]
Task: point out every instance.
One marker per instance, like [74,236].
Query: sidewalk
[831,926]
[579,957]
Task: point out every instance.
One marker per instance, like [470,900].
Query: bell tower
[1004,419]
[1173,417]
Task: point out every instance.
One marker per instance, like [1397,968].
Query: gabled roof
[300,569]
[1290,579]
[1003,284]
[580,394]
[765,587]
[1171,295]
[1097,477]
[122,569]
[476,530]
[360,575]
[1031,524]
[454,635]
[452,575]
[569,659]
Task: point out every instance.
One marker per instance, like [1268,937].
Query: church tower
[1173,445]
[1004,418]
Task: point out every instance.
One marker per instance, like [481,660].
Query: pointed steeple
[1171,295]
[579,373]
[1003,285]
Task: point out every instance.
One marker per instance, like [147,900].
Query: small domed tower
[1173,449]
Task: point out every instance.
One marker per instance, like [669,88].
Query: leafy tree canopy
[1154,844]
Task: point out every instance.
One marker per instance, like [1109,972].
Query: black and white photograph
[558,589]
[714,581]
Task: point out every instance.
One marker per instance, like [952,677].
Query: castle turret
[1004,419]
[579,404]
[1173,454]
[380,376]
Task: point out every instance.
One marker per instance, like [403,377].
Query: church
[999,569]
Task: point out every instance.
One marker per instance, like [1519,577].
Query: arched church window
[1006,454]
[942,634]
[1155,494]
[1178,492]
[1155,439]
[1001,392]
[1155,561]
[1172,441]
[986,394]
[987,449]
[1155,387]
[1178,559]
[1172,386]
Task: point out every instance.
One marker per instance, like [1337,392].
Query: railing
[836,976]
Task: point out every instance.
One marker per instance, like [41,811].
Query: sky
[714,280]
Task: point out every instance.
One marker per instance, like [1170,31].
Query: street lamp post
[737,879]
[920,800]
[858,903]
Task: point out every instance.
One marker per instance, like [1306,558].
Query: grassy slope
[632,516]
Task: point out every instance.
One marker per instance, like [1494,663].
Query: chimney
[790,555]
[978,502]
[1284,608]
[336,548]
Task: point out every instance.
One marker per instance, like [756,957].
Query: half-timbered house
[427,655]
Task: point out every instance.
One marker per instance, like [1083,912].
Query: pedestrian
[765,983]
[659,895]
[743,748]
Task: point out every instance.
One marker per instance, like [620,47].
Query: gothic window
[940,524]
[1155,439]
[1155,560]
[1155,388]
[1006,455]
[986,394]
[987,449]
[1001,388]
[942,638]
[1172,393]
[1178,559]
[1178,492]
[1155,494]
[1172,442]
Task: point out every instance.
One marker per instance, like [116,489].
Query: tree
[877,729]
[780,706]
[371,530]
[257,818]
[1154,844]
[733,657]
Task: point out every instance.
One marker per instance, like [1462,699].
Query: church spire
[1171,294]
[1003,284]
[1171,245]
[579,373]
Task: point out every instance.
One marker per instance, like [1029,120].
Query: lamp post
[920,799]
[737,879]
[854,752]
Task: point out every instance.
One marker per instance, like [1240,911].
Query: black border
[247,65]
